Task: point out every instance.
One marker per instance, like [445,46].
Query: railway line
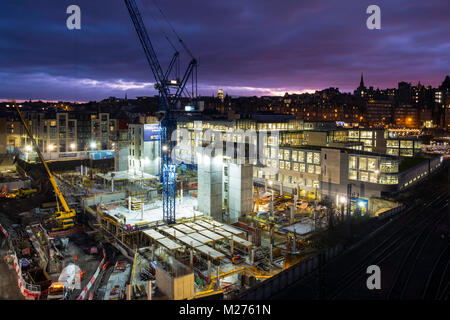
[410,228]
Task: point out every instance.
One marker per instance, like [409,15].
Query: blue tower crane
[170,94]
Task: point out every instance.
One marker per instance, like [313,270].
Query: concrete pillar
[271,235]
[271,206]
[252,256]
[270,252]
[281,188]
[191,257]
[153,252]
[232,246]
[250,238]
[112,184]
[294,245]
[129,204]
[142,208]
[128,291]
[292,214]
[218,277]
[149,294]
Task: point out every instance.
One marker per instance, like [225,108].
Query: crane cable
[173,30]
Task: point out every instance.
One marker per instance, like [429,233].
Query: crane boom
[50,176]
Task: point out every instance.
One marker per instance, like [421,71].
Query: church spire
[361,84]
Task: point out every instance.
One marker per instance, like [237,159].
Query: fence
[275,284]
[29,291]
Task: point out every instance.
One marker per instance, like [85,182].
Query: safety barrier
[29,291]
[391,212]
[280,281]
[87,287]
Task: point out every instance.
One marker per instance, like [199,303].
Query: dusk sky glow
[254,47]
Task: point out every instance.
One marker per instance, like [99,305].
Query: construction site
[86,231]
[150,225]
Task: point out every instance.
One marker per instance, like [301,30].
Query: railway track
[438,281]
[402,232]
[408,264]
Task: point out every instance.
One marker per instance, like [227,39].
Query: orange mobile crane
[62,219]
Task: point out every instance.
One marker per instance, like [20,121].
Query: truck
[69,279]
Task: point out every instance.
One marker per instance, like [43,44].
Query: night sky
[246,47]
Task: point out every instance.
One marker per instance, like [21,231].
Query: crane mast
[170,93]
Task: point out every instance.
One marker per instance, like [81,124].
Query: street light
[28,148]
[50,147]
[93,145]
[73,146]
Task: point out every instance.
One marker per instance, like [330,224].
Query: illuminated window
[317,158]
[318,169]
[302,167]
[295,166]
[362,163]
[310,168]
[294,155]
[281,164]
[392,143]
[309,157]
[352,162]
[373,178]
[287,165]
[301,156]
[353,175]
[389,179]
[371,164]
[287,155]
[363,176]
[280,154]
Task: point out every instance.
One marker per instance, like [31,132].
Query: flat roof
[204,224]
[191,242]
[215,223]
[243,242]
[200,238]
[194,226]
[224,233]
[210,252]
[173,232]
[232,229]
[183,228]
[212,235]
[169,244]
[153,234]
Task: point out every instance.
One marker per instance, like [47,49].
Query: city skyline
[253,55]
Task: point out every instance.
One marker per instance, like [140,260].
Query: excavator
[62,219]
